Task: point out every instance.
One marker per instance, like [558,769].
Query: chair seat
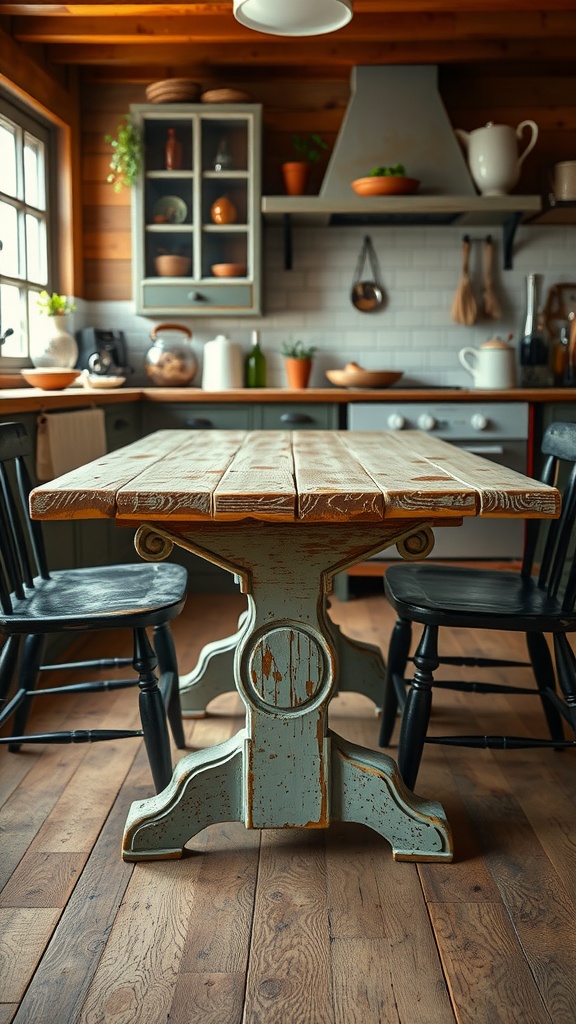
[456,596]
[149,594]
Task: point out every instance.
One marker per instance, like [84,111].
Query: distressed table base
[209,786]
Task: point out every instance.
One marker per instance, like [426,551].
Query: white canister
[492,364]
[223,365]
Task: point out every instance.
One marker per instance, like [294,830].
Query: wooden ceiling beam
[364,28]
[163,8]
[303,54]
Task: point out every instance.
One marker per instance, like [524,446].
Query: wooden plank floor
[295,926]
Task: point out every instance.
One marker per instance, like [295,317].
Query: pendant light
[293,17]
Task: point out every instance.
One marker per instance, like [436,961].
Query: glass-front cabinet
[196,210]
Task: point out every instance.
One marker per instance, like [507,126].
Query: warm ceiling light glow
[293,17]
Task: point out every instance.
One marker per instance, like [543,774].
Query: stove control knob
[426,421]
[478,421]
[396,421]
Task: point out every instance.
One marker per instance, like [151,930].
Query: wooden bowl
[225,96]
[172,266]
[54,378]
[385,185]
[173,90]
[353,376]
[229,269]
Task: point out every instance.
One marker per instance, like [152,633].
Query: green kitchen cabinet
[196,221]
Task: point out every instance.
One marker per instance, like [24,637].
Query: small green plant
[54,305]
[126,156]
[397,170]
[308,147]
[297,350]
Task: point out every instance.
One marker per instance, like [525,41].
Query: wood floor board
[299,926]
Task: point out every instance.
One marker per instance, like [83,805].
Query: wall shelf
[409,211]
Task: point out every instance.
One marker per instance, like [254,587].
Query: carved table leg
[286,769]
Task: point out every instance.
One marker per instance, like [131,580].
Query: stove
[494,430]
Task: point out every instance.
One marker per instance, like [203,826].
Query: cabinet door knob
[295,417]
[196,297]
[197,423]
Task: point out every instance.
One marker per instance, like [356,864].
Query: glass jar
[170,362]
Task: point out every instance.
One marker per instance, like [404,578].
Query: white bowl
[90,380]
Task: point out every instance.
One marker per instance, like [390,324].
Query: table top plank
[307,476]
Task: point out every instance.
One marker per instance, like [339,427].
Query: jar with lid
[170,362]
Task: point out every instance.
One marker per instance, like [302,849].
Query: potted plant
[126,159]
[52,345]
[298,362]
[296,173]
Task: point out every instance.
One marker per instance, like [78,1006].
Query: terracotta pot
[298,372]
[296,176]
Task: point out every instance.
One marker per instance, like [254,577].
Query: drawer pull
[197,423]
[296,417]
[196,297]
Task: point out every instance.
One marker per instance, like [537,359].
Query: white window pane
[34,193]
[10,311]
[9,264]
[8,176]
[36,250]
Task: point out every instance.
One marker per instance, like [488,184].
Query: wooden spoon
[490,303]
[464,308]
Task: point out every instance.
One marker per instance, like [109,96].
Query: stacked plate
[173,90]
[225,96]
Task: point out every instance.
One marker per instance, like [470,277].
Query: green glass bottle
[255,365]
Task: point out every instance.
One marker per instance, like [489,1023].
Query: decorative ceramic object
[493,157]
[296,174]
[223,211]
[51,344]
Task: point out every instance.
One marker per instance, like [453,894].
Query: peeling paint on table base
[286,769]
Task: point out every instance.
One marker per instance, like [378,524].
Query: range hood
[396,115]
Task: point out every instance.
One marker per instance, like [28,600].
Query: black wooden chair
[531,601]
[35,602]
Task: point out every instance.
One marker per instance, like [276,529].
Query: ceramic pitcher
[493,156]
[492,365]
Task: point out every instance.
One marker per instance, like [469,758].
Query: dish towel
[67,440]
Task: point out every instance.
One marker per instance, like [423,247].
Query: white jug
[493,156]
[492,365]
[223,365]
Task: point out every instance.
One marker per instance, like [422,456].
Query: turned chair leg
[416,714]
[168,668]
[543,669]
[398,652]
[152,711]
[30,660]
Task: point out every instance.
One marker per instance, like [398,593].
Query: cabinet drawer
[201,416]
[163,297]
[299,416]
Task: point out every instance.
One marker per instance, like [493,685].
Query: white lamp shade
[293,17]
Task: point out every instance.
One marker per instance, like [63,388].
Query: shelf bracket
[287,220]
[508,232]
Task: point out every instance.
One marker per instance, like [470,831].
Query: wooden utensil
[464,308]
[490,303]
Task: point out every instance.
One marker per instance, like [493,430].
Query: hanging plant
[127,155]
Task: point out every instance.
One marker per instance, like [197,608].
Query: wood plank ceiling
[123,42]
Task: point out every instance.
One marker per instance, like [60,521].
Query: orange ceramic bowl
[50,378]
[229,269]
[172,266]
[385,185]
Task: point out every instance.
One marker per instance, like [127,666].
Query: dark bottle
[255,366]
[535,369]
[173,151]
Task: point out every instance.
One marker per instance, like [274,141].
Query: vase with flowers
[51,344]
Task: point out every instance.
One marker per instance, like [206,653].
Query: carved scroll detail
[416,545]
[151,545]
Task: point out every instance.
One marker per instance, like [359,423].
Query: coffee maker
[102,352]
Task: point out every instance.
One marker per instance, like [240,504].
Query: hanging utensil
[490,303]
[464,308]
[367,295]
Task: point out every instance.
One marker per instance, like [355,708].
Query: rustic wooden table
[284,512]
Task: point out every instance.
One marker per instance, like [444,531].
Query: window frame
[31,121]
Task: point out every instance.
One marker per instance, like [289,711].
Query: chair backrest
[22,551]
[557,564]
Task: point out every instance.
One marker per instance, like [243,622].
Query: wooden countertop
[18,400]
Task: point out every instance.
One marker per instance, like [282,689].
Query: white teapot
[493,156]
[492,364]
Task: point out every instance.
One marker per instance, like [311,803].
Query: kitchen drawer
[200,416]
[299,416]
[162,297]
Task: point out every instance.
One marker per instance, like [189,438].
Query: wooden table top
[300,476]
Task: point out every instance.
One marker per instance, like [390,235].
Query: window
[26,212]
